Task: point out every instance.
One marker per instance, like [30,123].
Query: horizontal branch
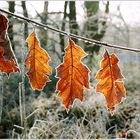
[44,26]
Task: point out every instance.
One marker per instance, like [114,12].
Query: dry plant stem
[44,26]
[22,90]
[20,104]
[1,95]
[22,111]
[31,114]
[20,127]
[13,133]
[23,86]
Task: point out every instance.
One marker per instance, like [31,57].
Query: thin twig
[23,85]
[31,114]
[20,127]
[71,35]
[20,103]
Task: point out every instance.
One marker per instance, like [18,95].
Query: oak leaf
[73,75]
[110,84]
[37,63]
[8,62]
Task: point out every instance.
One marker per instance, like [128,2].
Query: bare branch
[72,35]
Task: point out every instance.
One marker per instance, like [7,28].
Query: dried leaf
[110,84]
[7,66]
[72,74]
[8,60]
[37,63]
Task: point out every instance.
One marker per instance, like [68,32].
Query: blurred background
[25,113]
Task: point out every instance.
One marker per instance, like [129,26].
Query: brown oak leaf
[37,63]
[73,75]
[110,84]
[8,60]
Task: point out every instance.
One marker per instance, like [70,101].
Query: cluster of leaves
[72,73]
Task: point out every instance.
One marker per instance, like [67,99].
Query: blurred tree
[44,17]
[62,41]
[95,25]
[25,13]
[73,25]
[11,8]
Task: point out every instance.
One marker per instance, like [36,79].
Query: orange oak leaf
[110,84]
[37,63]
[8,62]
[73,75]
